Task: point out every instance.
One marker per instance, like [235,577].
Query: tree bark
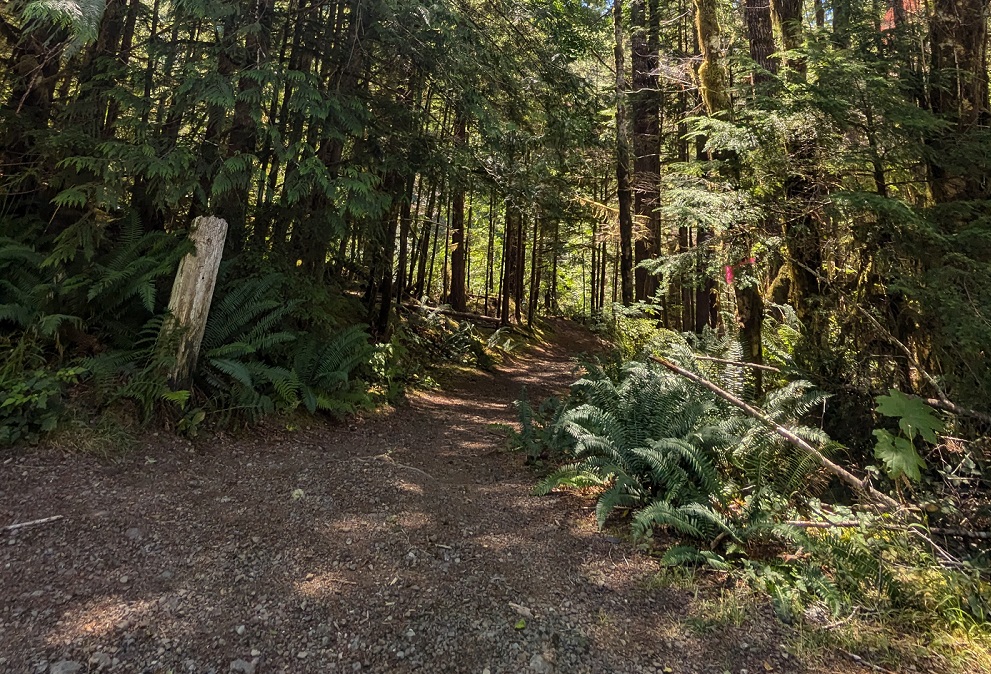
[192,294]
[959,92]
[787,16]
[510,260]
[712,74]
[623,179]
[646,142]
[757,15]
[458,297]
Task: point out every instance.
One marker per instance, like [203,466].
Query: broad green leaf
[914,416]
[899,456]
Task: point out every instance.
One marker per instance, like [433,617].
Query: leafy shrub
[673,453]
[541,435]
[31,403]
[256,365]
[653,442]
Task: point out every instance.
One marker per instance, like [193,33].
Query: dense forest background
[819,167]
[779,211]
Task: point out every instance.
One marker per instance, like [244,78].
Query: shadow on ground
[409,541]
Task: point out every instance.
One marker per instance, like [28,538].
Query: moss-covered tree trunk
[712,74]
[787,16]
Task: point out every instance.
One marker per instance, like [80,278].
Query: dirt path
[396,544]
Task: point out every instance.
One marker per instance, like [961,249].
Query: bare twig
[756,366]
[843,621]
[907,351]
[857,658]
[385,458]
[953,408]
[23,525]
[943,402]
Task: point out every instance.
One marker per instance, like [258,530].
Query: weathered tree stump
[192,293]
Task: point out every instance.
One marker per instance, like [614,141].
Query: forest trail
[407,541]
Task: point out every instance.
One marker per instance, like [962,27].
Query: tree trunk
[624,189]
[192,294]
[458,298]
[959,92]
[490,250]
[535,263]
[243,136]
[509,257]
[405,223]
[395,184]
[787,16]
[712,74]
[424,245]
[757,15]
[646,142]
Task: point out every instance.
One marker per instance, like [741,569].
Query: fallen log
[854,524]
[463,315]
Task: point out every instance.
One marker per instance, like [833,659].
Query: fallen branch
[480,318]
[385,458]
[865,663]
[755,366]
[907,351]
[953,408]
[23,525]
[943,402]
[853,524]
[862,486]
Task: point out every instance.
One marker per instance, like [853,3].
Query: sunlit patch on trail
[100,618]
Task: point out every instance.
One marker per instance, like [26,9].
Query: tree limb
[907,351]
[862,486]
[953,408]
[854,524]
[755,366]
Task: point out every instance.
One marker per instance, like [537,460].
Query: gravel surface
[405,541]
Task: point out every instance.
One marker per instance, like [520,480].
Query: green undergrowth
[87,351]
[711,491]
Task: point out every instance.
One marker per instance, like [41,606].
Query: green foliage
[914,416]
[669,456]
[255,366]
[80,17]
[541,436]
[137,375]
[899,455]
[429,339]
[654,442]
[31,403]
